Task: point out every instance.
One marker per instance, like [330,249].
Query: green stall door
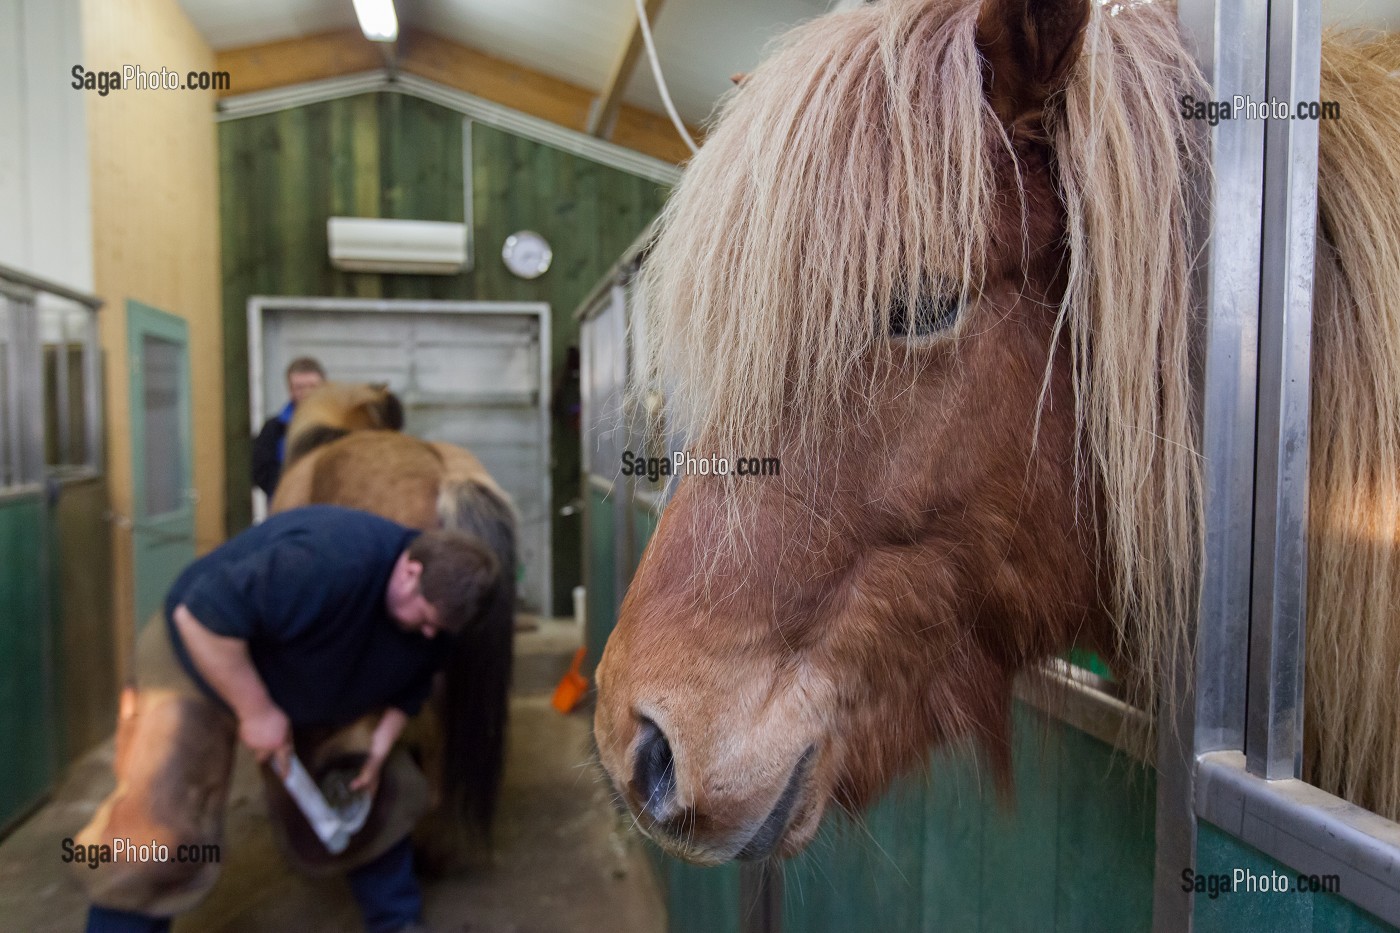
[161,453]
[27,732]
[600,573]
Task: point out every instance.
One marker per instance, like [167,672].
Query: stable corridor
[564,862]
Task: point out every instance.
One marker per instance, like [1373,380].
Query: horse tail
[477,675]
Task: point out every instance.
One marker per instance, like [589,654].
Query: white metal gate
[469,373]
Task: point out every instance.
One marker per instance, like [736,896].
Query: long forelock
[851,170]
[1130,171]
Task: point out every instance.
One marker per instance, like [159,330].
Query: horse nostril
[654,774]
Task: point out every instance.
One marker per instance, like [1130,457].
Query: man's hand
[268,733]
[391,724]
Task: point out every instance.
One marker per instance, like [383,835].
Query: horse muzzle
[709,820]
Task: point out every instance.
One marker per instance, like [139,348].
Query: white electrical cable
[660,81]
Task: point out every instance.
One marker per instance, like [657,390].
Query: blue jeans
[385,889]
[106,920]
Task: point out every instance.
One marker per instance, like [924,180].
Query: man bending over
[311,620]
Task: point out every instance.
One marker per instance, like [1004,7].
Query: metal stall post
[1274,732]
[1209,714]
[603,375]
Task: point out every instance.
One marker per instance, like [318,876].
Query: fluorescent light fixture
[377,20]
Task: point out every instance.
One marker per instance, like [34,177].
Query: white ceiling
[228,24]
[700,42]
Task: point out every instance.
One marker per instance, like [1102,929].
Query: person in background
[304,376]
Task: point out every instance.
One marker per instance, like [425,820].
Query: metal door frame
[596,477]
[258,304]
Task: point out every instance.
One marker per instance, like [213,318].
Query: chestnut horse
[936,256]
[344,448]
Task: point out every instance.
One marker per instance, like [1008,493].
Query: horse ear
[1028,48]
[391,412]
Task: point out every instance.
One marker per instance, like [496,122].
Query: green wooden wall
[602,599]
[1072,850]
[701,900]
[1217,852]
[390,155]
[28,726]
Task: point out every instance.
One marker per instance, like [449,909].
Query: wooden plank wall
[87,684]
[390,155]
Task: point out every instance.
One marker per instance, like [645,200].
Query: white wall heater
[421,247]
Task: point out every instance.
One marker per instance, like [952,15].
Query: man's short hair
[458,573]
[304,364]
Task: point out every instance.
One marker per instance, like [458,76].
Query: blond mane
[859,159]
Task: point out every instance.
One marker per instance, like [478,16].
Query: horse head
[885,268]
[336,409]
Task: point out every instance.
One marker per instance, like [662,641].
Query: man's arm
[386,733]
[225,665]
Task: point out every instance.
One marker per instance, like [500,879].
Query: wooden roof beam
[603,115]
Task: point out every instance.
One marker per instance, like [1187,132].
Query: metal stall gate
[1096,840]
[619,513]
[57,679]
[1230,758]
[473,374]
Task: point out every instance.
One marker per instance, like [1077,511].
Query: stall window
[68,367]
[9,433]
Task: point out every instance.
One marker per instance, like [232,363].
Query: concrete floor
[564,860]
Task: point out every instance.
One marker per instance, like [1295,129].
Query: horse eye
[932,314]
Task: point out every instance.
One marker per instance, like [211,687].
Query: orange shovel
[572,687]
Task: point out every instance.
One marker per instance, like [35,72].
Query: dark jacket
[269,450]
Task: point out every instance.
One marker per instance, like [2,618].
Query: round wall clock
[527,254]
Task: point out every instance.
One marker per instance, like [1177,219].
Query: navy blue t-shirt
[305,590]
